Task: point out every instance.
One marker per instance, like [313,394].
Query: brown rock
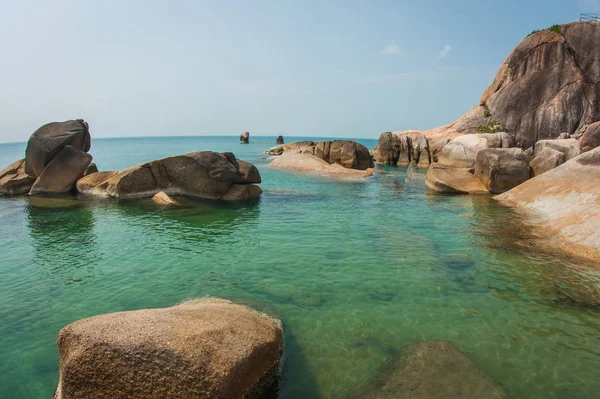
[306,163]
[433,369]
[46,142]
[347,153]
[388,149]
[240,192]
[461,152]
[245,138]
[591,136]
[279,140]
[565,205]
[200,349]
[91,169]
[295,147]
[442,179]
[61,174]
[14,180]
[500,169]
[248,173]
[163,199]
[569,147]
[95,184]
[546,160]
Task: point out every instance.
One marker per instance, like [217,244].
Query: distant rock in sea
[245,138]
[279,140]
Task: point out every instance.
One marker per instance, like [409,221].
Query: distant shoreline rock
[245,138]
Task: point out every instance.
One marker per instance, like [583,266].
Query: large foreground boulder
[61,174]
[347,153]
[46,142]
[442,179]
[200,349]
[433,369]
[461,152]
[565,205]
[14,180]
[205,175]
[500,169]
[546,160]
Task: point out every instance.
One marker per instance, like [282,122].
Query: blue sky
[297,68]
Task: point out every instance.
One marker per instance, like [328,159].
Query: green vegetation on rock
[491,127]
[554,28]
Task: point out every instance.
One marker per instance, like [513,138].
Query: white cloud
[392,49]
[444,52]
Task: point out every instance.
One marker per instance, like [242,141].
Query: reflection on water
[355,271]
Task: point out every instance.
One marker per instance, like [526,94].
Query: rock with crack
[442,179]
[61,174]
[569,147]
[14,180]
[501,169]
[546,160]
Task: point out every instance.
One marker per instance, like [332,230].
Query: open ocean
[355,271]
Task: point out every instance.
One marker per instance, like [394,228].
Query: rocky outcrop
[199,349]
[433,369]
[279,140]
[501,169]
[46,142]
[61,174]
[461,152]
[546,160]
[564,204]
[400,149]
[245,138]
[205,175]
[569,147]
[347,153]
[590,138]
[441,179]
[307,163]
[14,180]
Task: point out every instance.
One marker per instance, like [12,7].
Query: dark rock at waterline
[199,349]
[47,141]
[91,169]
[245,138]
[205,175]
[61,174]
[279,140]
[433,369]
[14,180]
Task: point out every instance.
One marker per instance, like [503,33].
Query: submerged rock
[14,180]
[306,163]
[199,349]
[500,169]
[61,174]
[433,369]
[565,203]
[46,142]
[163,199]
[443,179]
[245,138]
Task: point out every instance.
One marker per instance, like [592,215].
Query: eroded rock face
[205,175]
[461,152]
[46,142]
[200,349]
[565,203]
[347,153]
[591,137]
[501,169]
[245,138]
[401,148]
[14,180]
[61,174]
[546,160]
[569,147]
[433,369]
[442,179]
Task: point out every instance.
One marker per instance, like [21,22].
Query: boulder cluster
[402,148]
[57,161]
[347,153]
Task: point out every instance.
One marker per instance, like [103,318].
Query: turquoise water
[354,271]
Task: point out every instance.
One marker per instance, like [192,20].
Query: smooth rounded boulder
[501,169]
[461,152]
[200,349]
[442,179]
[347,153]
[61,174]
[47,141]
[546,160]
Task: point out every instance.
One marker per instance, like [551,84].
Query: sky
[297,68]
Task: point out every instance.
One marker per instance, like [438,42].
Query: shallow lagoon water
[355,272]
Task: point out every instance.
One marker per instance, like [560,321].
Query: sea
[355,272]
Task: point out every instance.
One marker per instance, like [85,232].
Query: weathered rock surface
[199,349]
[279,140]
[163,199]
[95,184]
[569,147]
[442,179]
[46,142]
[433,369]
[591,137]
[546,160]
[306,163]
[501,169]
[401,148]
[91,169]
[61,174]
[346,153]
[14,180]
[245,138]
[565,204]
[461,152]
[240,192]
